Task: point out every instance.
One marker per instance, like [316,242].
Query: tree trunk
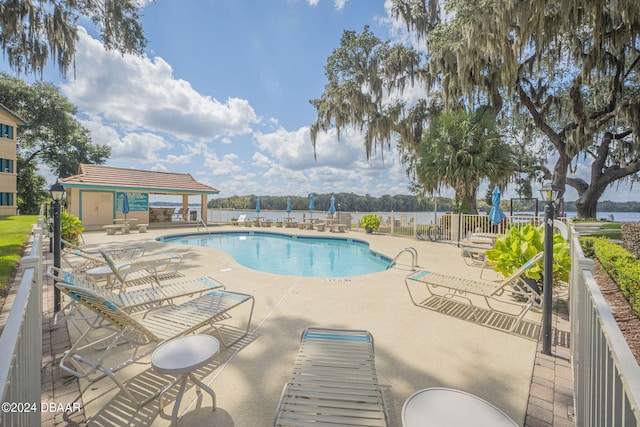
[586,208]
[469,204]
[601,176]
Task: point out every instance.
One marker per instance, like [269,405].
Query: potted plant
[70,228]
[520,244]
[370,222]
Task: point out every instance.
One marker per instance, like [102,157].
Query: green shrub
[520,244]
[70,228]
[622,266]
[372,221]
[587,244]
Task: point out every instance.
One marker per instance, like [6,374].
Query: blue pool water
[291,255]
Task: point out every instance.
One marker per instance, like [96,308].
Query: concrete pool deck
[415,348]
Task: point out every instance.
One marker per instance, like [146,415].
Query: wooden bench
[112,228]
[142,228]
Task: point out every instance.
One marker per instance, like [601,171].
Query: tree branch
[553,136]
[579,184]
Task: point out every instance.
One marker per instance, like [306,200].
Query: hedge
[622,266]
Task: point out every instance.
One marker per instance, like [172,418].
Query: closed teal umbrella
[312,205]
[495,214]
[258,205]
[125,205]
[332,208]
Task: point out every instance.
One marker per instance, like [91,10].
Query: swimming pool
[291,255]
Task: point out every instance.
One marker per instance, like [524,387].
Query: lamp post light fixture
[549,193]
[57,193]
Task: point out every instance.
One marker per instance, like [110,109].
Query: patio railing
[21,345]
[440,227]
[605,372]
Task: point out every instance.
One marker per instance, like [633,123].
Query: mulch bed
[628,322]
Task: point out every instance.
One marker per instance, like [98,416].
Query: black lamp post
[549,194]
[57,193]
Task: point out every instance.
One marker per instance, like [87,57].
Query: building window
[6,165]
[6,131]
[6,199]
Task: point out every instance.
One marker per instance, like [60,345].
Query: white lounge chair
[89,361]
[142,299]
[244,220]
[334,382]
[120,273]
[511,291]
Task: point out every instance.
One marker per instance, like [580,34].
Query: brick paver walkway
[551,393]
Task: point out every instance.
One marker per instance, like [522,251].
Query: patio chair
[80,259]
[144,299]
[141,298]
[89,361]
[333,382]
[474,249]
[121,272]
[523,295]
[244,219]
[119,255]
[181,214]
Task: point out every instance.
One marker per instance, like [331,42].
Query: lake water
[221,215]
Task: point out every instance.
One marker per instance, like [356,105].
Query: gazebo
[94,195]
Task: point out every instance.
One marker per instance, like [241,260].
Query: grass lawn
[15,232]
[610,230]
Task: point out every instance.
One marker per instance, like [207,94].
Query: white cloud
[339,4]
[141,147]
[225,166]
[138,147]
[294,150]
[261,161]
[183,159]
[141,93]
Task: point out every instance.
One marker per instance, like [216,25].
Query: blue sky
[223,94]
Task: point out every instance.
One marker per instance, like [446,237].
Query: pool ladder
[204,225]
[414,258]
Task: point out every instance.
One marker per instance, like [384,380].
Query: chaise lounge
[334,382]
[89,361]
[514,291]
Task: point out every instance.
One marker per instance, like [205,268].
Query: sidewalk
[56,387]
[551,393]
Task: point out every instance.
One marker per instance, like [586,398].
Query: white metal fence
[605,372]
[21,346]
[449,227]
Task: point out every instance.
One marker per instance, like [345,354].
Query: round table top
[451,408]
[185,354]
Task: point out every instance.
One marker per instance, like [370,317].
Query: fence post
[392,220]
